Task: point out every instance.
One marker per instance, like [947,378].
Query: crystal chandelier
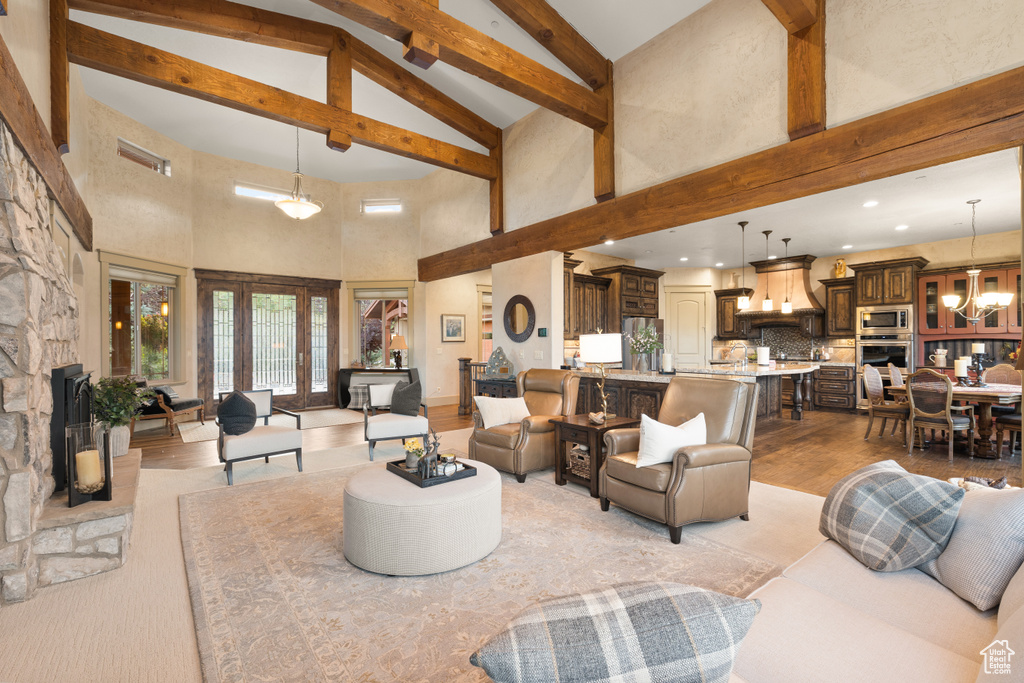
[978,305]
[767,304]
[297,206]
[743,303]
[787,305]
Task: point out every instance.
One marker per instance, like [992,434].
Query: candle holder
[978,381]
[89,464]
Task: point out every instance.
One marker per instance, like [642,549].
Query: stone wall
[38,330]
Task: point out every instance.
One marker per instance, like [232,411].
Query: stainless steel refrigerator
[630,327]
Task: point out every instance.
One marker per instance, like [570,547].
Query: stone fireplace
[38,331]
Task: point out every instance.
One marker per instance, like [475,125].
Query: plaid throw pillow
[890,519]
[628,633]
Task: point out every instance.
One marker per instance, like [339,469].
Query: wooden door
[898,285]
[274,351]
[931,314]
[222,328]
[685,322]
[869,287]
[320,362]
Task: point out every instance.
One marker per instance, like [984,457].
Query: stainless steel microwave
[885,320]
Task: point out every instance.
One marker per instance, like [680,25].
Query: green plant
[645,341]
[117,400]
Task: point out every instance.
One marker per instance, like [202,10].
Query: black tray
[398,467]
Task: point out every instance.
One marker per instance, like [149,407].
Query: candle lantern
[89,465]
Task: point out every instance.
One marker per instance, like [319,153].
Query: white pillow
[501,411]
[380,395]
[659,442]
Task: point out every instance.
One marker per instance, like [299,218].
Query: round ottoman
[392,526]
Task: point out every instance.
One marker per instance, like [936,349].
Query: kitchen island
[633,393]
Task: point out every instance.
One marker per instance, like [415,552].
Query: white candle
[961,367]
[977,348]
[666,362]
[87,464]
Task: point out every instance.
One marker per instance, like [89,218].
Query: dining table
[986,397]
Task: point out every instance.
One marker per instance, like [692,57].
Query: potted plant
[645,341]
[116,400]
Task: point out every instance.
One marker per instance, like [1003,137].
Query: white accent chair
[263,440]
[388,426]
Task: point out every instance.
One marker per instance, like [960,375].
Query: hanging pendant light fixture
[297,206]
[978,305]
[767,304]
[743,303]
[787,305]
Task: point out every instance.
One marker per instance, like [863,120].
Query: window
[380,206]
[261,192]
[381,313]
[143,327]
[142,157]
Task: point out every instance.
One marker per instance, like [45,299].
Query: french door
[260,332]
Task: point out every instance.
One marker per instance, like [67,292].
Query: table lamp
[397,346]
[601,349]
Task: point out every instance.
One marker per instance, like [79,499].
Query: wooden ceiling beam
[794,15]
[604,146]
[249,24]
[31,134]
[806,78]
[558,36]
[977,118]
[497,194]
[478,54]
[112,54]
[339,89]
[60,99]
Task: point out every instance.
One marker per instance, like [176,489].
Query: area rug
[274,598]
[311,419]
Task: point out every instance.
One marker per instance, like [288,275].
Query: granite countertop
[725,371]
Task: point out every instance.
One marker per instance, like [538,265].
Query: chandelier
[297,206]
[978,305]
[743,303]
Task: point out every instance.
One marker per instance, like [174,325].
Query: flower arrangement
[645,341]
[413,452]
[1013,355]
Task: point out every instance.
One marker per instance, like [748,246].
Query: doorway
[689,339]
[268,332]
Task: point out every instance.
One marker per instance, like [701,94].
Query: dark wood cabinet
[886,282]
[731,326]
[835,387]
[585,301]
[840,307]
[632,292]
[498,388]
[934,319]
[630,399]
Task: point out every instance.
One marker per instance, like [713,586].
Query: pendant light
[297,206]
[767,304]
[743,303]
[787,305]
[982,304]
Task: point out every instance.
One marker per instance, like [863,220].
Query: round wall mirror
[519,318]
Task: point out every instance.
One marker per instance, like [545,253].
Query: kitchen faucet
[746,351]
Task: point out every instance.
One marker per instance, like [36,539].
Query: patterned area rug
[311,419]
[274,598]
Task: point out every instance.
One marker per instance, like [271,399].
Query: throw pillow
[169,393]
[380,395]
[890,519]
[986,548]
[360,394]
[659,441]
[501,411]
[237,413]
[405,400]
[630,632]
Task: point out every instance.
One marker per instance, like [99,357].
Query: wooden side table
[578,429]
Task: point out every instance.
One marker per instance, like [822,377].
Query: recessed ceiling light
[772,258]
[495,24]
[902,227]
[870,203]
[647,251]
[847,246]
[671,231]
[719,265]
[609,242]
[684,258]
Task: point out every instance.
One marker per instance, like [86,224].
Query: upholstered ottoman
[392,526]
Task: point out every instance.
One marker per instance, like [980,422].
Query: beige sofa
[829,618]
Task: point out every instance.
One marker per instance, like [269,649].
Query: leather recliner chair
[702,483]
[529,445]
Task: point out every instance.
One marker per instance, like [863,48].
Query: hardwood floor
[810,455]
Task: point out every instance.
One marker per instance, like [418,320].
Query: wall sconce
[117,325]
[164,308]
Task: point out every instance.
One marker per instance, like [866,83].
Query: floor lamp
[600,349]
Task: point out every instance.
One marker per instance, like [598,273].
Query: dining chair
[879,407]
[931,406]
[1004,373]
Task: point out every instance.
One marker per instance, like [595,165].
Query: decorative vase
[641,365]
[412,460]
[119,440]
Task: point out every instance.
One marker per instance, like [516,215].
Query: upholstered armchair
[702,483]
[529,445]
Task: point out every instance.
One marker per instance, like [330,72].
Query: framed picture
[453,328]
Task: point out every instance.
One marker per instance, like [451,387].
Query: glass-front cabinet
[1013,318]
[933,318]
[931,314]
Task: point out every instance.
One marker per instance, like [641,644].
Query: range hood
[790,276]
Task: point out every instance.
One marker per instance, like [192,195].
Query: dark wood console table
[498,388]
[578,429]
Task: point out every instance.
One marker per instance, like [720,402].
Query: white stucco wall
[539,279]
